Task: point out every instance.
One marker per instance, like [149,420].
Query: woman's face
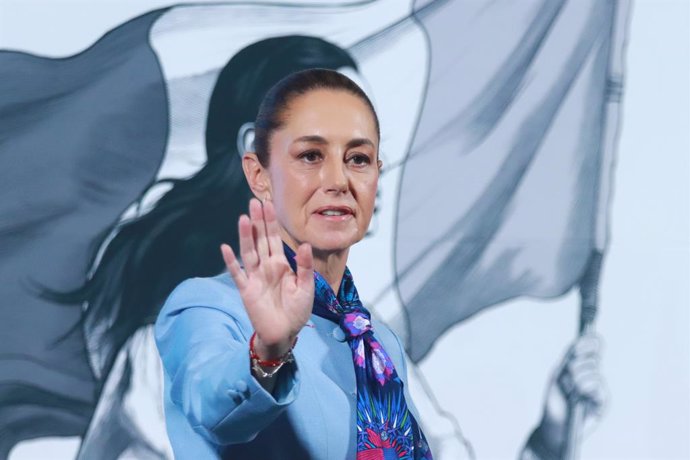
[324,170]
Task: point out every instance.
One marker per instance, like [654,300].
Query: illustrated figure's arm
[440,427]
[577,380]
[128,421]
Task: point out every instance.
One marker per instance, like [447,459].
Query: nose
[335,176]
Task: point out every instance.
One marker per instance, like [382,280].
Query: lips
[334,211]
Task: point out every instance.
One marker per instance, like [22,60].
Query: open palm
[278,301]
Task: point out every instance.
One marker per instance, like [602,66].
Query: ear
[379,163]
[257,176]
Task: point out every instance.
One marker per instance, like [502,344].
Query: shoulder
[217,292]
[212,295]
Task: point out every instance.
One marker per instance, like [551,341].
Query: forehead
[329,110]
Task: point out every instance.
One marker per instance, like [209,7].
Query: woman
[238,383]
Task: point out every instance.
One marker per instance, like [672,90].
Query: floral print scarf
[386,429]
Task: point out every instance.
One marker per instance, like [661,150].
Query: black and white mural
[488,252]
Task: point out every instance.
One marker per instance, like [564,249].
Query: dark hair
[180,237]
[278,98]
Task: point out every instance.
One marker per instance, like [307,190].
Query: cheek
[285,185]
[292,193]
[367,193]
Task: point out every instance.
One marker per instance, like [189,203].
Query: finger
[591,355]
[247,247]
[257,215]
[597,398]
[584,367]
[233,266]
[592,389]
[584,347]
[587,344]
[578,369]
[585,376]
[275,244]
[594,409]
[305,267]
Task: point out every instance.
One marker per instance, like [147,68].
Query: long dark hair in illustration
[180,236]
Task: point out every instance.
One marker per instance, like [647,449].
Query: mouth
[336,212]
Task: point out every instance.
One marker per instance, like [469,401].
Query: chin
[332,243]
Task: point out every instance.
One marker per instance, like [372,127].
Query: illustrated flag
[519,159]
[80,138]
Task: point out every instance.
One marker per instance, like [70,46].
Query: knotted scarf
[386,429]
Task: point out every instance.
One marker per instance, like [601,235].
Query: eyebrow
[314,139]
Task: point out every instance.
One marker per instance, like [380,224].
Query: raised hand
[278,301]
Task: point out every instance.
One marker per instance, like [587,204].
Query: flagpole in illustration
[589,304]
[589,283]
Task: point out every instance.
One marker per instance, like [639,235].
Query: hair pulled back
[274,105]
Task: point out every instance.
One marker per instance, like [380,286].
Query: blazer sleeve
[202,336]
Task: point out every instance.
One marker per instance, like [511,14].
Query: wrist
[545,443]
[264,351]
[270,356]
[268,368]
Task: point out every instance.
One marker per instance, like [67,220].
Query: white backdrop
[501,358]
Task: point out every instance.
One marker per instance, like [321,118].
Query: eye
[310,156]
[359,159]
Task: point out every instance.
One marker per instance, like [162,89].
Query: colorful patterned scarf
[386,429]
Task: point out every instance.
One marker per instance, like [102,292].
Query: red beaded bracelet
[269,362]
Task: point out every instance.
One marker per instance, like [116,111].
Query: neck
[331,266]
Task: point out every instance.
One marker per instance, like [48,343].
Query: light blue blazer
[215,408]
